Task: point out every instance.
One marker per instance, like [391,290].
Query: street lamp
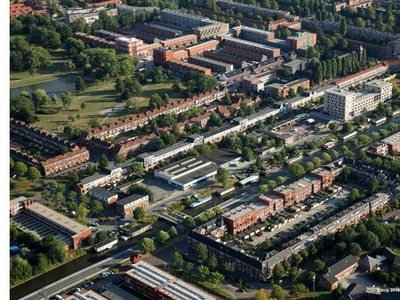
[313,280]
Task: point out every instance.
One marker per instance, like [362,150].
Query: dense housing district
[273,171]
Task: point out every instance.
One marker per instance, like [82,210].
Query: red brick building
[183,67]
[338,271]
[324,175]
[17,9]
[200,48]
[282,90]
[244,216]
[301,40]
[185,40]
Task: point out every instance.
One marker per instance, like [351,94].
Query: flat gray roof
[57,218]
[165,282]
[211,61]
[261,46]
[130,199]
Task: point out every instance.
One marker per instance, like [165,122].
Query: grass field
[101,102]
[23,187]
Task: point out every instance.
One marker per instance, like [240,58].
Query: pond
[58,86]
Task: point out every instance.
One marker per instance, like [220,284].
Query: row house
[30,132]
[17,9]
[102,3]
[362,76]
[133,145]
[288,195]
[274,202]
[109,175]
[303,189]
[214,65]
[24,157]
[68,160]
[127,205]
[96,145]
[105,196]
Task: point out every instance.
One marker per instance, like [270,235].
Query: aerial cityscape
[204,150]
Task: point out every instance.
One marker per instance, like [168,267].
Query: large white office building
[345,104]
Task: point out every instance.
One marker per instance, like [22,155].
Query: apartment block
[301,40]
[214,65]
[345,104]
[94,41]
[257,83]
[253,34]
[200,48]
[182,67]
[339,103]
[103,195]
[253,47]
[157,30]
[131,46]
[325,176]
[282,89]
[184,40]
[244,216]
[89,15]
[126,206]
[181,18]
[393,142]
[121,8]
[211,29]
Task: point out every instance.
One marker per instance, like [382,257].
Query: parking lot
[362,278]
[285,228]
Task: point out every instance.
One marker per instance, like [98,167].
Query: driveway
[362,278]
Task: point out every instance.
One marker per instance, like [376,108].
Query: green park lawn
[23,187]
[101,101]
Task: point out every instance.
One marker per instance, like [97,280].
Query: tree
[189,222]
[139,213]
[94,123]
[309,279]
[296,170]
[80,84]
[223,176]
[347,127]
[20,169]
[212,262]
[202,252]
[280,180]
[355,249]
[316,161]
[229,267]
[66,99]
[297,259]
[81,212]
[162,237]
[326,157]
[33,174]
[189,266]
[103,162]
[173,232]
[309,166]
[333,126]
[40,97]
[138,169]
[147,245]
[203,270]
[261,294]
[177,258]
[319,265]
[343,26]
[355,195]
[248,153]
[369,241]
[277,292]
[216,278]
[279,272]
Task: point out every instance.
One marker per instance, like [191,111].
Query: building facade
[127,205]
